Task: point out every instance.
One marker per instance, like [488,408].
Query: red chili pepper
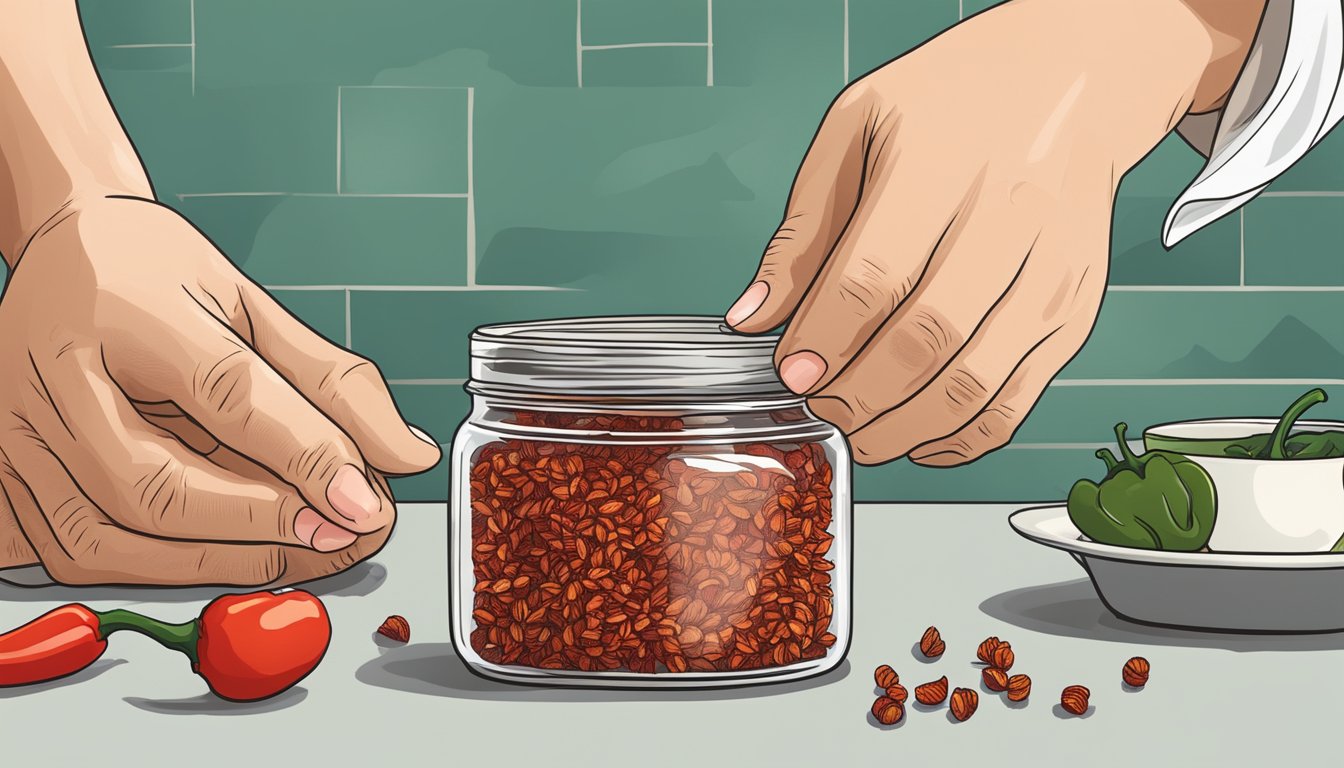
[57,643]
[246,647]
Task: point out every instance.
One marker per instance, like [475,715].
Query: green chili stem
[178,637]
[1105,455]
[1279,436]
[1130,459]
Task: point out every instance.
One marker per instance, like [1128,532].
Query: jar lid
[635,357]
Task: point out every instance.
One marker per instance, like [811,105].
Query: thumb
[824,195]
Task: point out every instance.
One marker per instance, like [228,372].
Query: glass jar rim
[632,358]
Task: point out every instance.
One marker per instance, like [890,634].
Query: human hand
[164,421]
[945,249]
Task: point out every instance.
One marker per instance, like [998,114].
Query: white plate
[1200,590]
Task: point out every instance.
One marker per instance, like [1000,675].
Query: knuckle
[864,285]
[921,343]
[160,494]
[964,390]
[856,97]
[350,367]
[316,462]
[225,385]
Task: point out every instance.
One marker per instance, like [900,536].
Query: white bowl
[1265,505]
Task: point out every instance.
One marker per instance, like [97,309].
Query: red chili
[246,647]
[57,643]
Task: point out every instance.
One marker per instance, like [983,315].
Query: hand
[164,421]
[945,248]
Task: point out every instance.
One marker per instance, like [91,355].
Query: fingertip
[801,371]
[330,537]
[748,304]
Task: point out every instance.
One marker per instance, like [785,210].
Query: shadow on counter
[434,669]
[1072,609]
[31,584]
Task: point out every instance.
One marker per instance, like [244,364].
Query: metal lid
[635,357]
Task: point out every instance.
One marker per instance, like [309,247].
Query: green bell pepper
[1280,445]
[1159,500]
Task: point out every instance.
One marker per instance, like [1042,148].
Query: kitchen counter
[1212,698]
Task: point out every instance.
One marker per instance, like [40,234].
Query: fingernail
[747,304]
[351,496]
[306,524]
[331,537]
[423,435]
[802,370]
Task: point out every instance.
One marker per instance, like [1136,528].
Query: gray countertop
[1212,698]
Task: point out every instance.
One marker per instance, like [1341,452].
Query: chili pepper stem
[1277,449]
[1111,463]
[1130,460]
[178,637]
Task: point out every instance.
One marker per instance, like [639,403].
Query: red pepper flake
[604,556]
[396,628]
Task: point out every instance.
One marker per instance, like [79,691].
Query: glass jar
[639,501]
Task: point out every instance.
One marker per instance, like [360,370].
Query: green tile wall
[400,171]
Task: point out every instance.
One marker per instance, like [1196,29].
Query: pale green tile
[322,311]
[607,22]
[339,240]
[1069,414]
[1210,256]
[404,140]
[1321,170]
[419,335]
[646,67]
[1295,241]
[795,46]
[353,42]
[1214,335]
[130,22]
[881,30]
[1005,475]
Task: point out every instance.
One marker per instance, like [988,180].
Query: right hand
[945,249]
[164,421]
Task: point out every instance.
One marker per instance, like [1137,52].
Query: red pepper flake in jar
[642,498]
[649,558]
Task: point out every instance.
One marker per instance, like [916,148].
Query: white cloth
[1288,97]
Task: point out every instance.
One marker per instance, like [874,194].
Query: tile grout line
[193,46]
[352,195]
[619,46]
[339,120]
[348,335]
[471,187]
[845,43]
[126,46]
[1304,193]
[578,41]
[1241,242]
[961,9]
[709,43]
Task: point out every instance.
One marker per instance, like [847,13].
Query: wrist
[1231,26]
[60,140]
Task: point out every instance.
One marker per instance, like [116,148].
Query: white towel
[1288,97]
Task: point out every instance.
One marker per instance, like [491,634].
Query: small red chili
[57,643]
[246,647]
